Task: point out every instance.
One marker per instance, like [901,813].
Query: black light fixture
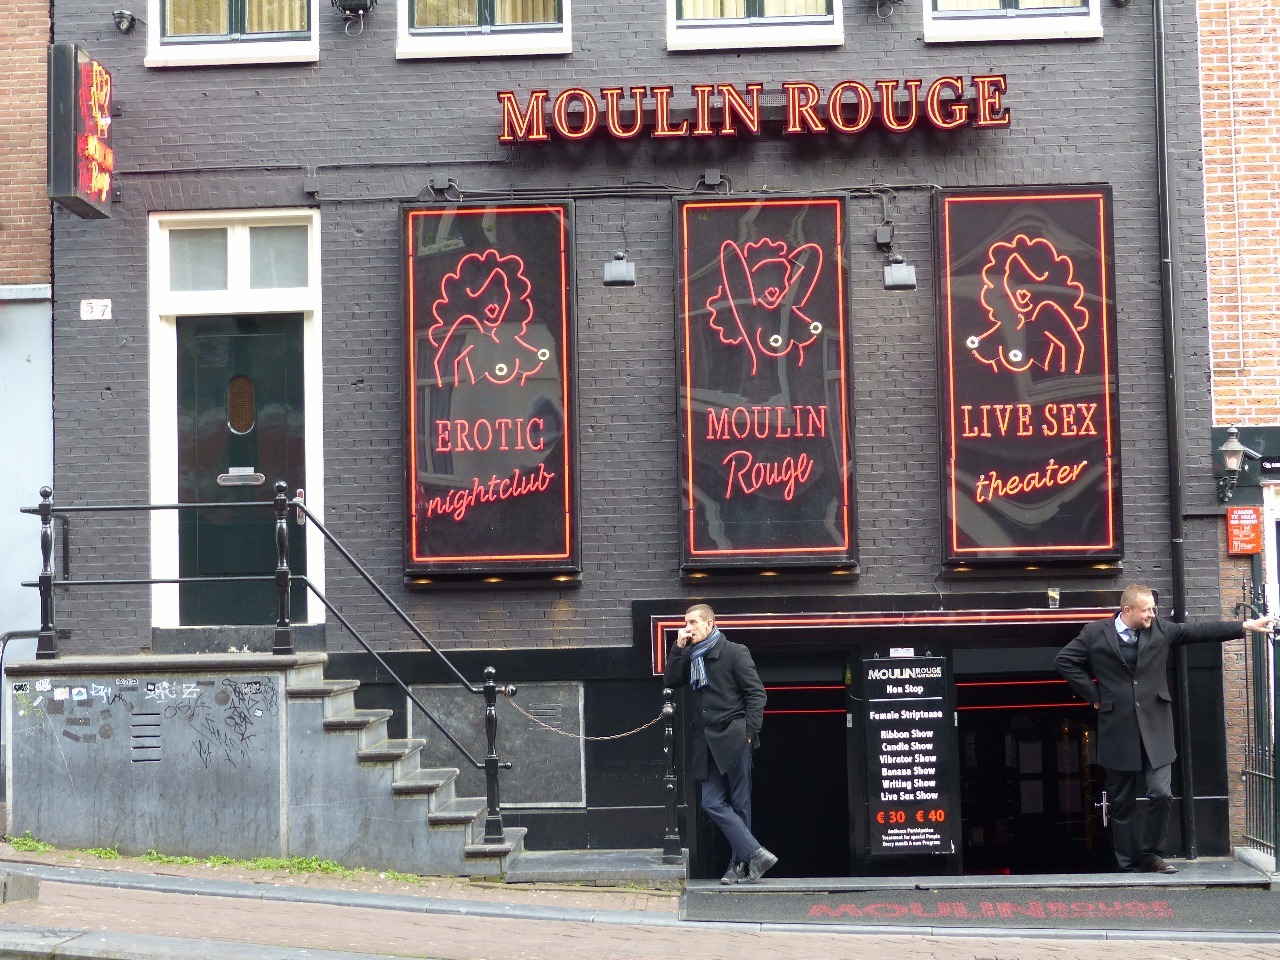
[1233,456]
[619,272]
[898,274]
[353,13]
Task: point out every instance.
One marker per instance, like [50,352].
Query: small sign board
[81,159]
[1244,530]
[910,744]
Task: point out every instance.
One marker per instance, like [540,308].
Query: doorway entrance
[241,419]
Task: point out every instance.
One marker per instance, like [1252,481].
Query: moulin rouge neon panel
[765,453]
[1026,310]
[491,432]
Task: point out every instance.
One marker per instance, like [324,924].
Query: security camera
[125,21]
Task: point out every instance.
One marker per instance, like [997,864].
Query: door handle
[241,479]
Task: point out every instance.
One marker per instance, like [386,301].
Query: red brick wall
[24,205]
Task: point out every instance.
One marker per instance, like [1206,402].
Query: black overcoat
[730,708]
[1135,709]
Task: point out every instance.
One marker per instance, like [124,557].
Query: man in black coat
[727,712]
[1128,656]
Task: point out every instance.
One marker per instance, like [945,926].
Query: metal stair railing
[283,578]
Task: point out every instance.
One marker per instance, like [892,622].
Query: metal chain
[578,736]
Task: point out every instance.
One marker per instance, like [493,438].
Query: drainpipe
[1173,399]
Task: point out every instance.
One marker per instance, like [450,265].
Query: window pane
[796,8]
[198,259]
[1051,4]
[446,13]
[191,18]
[948,5]
[277,257]
[713,9]
[525,11]
[276,16]
[241,407]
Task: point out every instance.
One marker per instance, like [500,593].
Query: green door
[240,429]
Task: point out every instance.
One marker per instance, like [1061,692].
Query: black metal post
[671,841]
[284,630]
[493,832]
[47,644]
[1275,753]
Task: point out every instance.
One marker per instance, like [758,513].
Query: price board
[910,750]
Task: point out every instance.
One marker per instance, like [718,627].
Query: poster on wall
[490,418]
[765,459]
[1026,320]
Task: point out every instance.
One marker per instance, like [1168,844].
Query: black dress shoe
[736,873]
[760,861]
[1156,865]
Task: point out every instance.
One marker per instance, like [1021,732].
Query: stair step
[425,780]
[388,751]
[325,688]
[356,719]
[457,810]
[513,840]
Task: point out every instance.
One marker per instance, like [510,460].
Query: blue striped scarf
[697,668]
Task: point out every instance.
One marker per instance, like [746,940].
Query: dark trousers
[726,798]
[1122,795]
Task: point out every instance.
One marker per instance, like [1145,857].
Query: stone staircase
[360,797]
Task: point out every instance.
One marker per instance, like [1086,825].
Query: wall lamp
[1233,456]
[353,13]
[619,272]
[125,20]
[898,274]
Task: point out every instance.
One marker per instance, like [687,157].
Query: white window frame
[473,42]
[196,53]
[165,307]
[758,34]
[982,27]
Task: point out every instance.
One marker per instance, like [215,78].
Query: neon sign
[491,438]
[726,110]
[81,159]
[1026,317]
[766,458]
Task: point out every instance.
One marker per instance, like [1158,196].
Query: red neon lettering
[835,107]
[750,476]
[590,114]
[801,97]
[957,111]
[662,128]
[529,124]
[456,503]
[612,112]
[734,104]
[989,90]
[467,436]
[764,423]
[991,485]
[888,108]
[702,97]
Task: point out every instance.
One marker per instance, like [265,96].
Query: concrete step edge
[356,719]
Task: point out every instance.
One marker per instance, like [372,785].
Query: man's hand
[1262,624]
[684,638]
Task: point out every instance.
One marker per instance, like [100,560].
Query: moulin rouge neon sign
[728,110]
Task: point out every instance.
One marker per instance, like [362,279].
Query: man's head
[1137,606]
[700,621]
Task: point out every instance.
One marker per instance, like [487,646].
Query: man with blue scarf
[727,711]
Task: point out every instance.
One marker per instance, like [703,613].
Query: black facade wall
[222,138]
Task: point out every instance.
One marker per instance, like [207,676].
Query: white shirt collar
[1121,627]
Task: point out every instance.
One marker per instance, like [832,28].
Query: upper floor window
[198,32]
[976,20]
[728,24]
[482,28]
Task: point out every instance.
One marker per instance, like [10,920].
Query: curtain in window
[276,16]
[1042,4]
[795,8]
[446,13]
[195,18]
[525,11]
[713,9]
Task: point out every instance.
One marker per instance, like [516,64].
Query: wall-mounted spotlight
[353,13]
[898,274]
[1233,456]
[619,272]
[125,20]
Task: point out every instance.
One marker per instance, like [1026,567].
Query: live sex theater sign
[1026,314]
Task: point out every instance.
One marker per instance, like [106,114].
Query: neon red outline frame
[815,554]
[426,566]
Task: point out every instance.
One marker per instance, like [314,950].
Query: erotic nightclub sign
[1026,315]
[765,453]
[491,442]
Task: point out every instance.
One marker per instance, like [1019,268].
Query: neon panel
[765,454]
[490,422]
[1026,317]
[81,158]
